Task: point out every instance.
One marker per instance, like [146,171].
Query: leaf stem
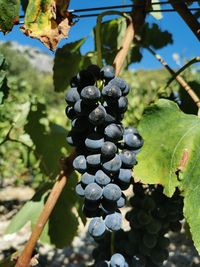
[98,33]
[25,258]
[178,78]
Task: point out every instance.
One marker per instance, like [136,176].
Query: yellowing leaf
[48,21]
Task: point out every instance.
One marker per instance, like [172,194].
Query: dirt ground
[182,252]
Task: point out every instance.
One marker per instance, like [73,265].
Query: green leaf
[154,36]
[170,136]
[9,14]
[62,224]
[111,42]
[48,138]
[68,60]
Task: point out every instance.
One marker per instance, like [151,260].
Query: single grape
[107,72]
[133,141]
[150,240]
[113,221]
[97,227]
[113,165]
[90,94]
[93,192]
[143,217]
[125,175]
[80,164]
[94,160]
[122,104]
[98,115]
[70,112]
[72,96]
[128,158]
[94,142]
[108,150]
[87,178]
[112,192]
[80,190]
[111,92]
[119,82]
[117,260]
[121,201]
[154,226]
[113,132]
[101,178]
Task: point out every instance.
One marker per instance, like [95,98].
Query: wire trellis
[83,10]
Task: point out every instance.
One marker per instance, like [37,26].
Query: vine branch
[178,78]
[25,258]
[187,16]
[189,63]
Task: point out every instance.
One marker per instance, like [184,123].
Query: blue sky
[185,43]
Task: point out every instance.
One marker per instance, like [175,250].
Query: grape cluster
[106,150]
[152,216]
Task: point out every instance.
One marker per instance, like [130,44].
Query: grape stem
[178,78]
[135,24]
[26,255]
[187,16]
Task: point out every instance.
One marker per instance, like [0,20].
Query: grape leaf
[9,14]
[62,224]
[48,139]
[111,42]
[68,61]
[150,35]
[171,156]
[48,21]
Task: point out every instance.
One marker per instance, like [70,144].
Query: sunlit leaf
[48,21]
[171,156]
